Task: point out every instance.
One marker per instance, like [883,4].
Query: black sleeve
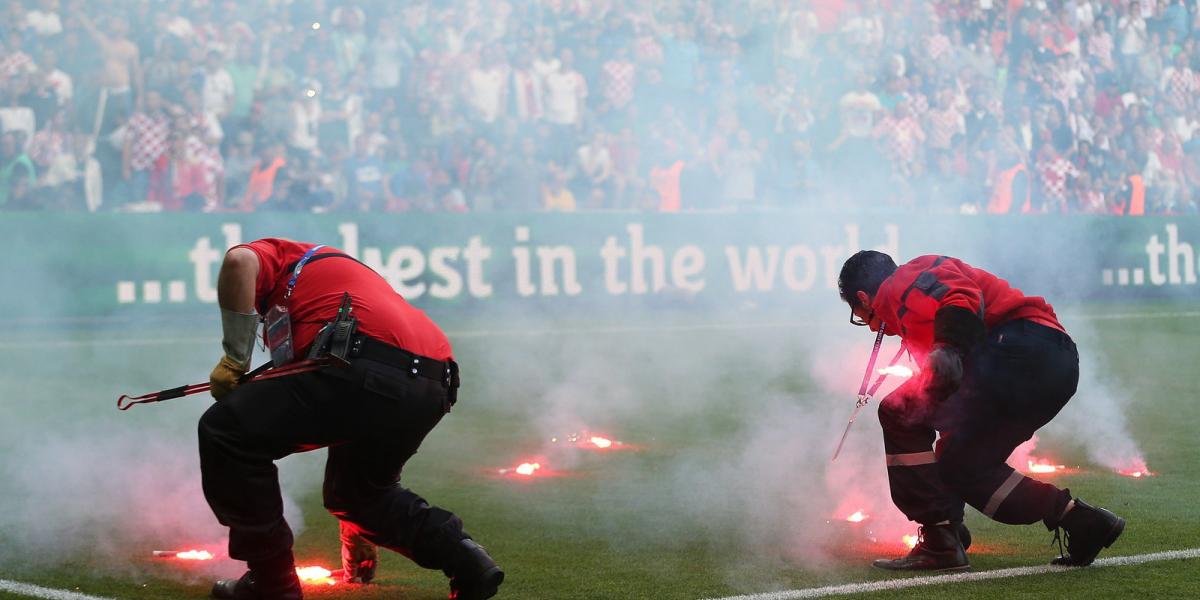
[957,327]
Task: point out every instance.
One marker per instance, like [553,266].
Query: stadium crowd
[1040,106]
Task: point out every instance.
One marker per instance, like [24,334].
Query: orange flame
[526,469]
[897,370]
[1135,468]
[1136,473]
[315,575]
[194,555]
[1042,467]
[857,517]
[910,541]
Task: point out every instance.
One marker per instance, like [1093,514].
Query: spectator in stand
[364,177]
[120,78]
[556,196]
[147,141]
[17,173]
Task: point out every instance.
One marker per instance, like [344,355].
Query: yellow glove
[224,377]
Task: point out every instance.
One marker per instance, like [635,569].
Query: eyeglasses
[855,320]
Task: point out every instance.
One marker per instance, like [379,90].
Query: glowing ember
[1136,473]
[195,555]
[910,541]
[526,469]
[857,517]
[315,575]
[184,554]
[601,442]
[897,370]
[1042,467]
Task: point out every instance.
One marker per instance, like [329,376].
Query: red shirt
[908,300]
[381,312]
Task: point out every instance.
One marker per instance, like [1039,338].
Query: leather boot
[1088,530]
[938,548]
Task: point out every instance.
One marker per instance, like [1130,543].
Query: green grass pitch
[699,508]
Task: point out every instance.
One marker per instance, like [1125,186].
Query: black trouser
[1014,382]
[372,417]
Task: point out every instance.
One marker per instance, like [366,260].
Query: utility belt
[369,348]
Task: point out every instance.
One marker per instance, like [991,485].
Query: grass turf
[618,526]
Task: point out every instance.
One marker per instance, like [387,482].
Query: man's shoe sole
[954,569]
[489,585]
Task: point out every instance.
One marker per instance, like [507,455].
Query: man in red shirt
[372,408]
[996,367]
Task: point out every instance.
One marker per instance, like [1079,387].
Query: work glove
[956,331]
[359,557]
[224,377]
[238,342]
[944,370]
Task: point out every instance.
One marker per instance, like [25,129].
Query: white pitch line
[486,333]
[37,591]
[910,582]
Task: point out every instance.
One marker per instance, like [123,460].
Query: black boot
[473,574]
[938,548]
[1088,530]
[253,587]
[964,535]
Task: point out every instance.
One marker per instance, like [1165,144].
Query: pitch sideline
[37,591]
[911,582]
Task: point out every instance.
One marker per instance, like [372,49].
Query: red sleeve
[274,254]
[962,291]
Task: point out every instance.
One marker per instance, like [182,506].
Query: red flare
[591,441]
[317,575]
[910,541]
[897,370]
[1042,466]
[533,468]
[857,517]
[184,554]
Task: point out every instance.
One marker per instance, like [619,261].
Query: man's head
[860,279]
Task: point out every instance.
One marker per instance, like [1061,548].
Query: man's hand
[945,371]
[359,557]
[224,377]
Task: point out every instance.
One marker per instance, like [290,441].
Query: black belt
[416,365]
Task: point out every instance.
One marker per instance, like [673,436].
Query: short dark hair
[864,271]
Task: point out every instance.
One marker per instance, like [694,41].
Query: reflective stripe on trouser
[1014,383]
[912,466]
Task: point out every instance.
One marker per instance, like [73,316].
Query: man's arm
[239,322]
[237,279]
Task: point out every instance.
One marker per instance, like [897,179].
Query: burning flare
[315,575]
[857,517]
[897,370]
[1042,466]
[195,555]
[525,469]
[910,541]
[600,442]
[184,554]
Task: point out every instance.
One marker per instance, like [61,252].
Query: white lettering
[753,272]
[547,256]
[790,278]
[687,263]
[453,280]
[475,253]
[611,253]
